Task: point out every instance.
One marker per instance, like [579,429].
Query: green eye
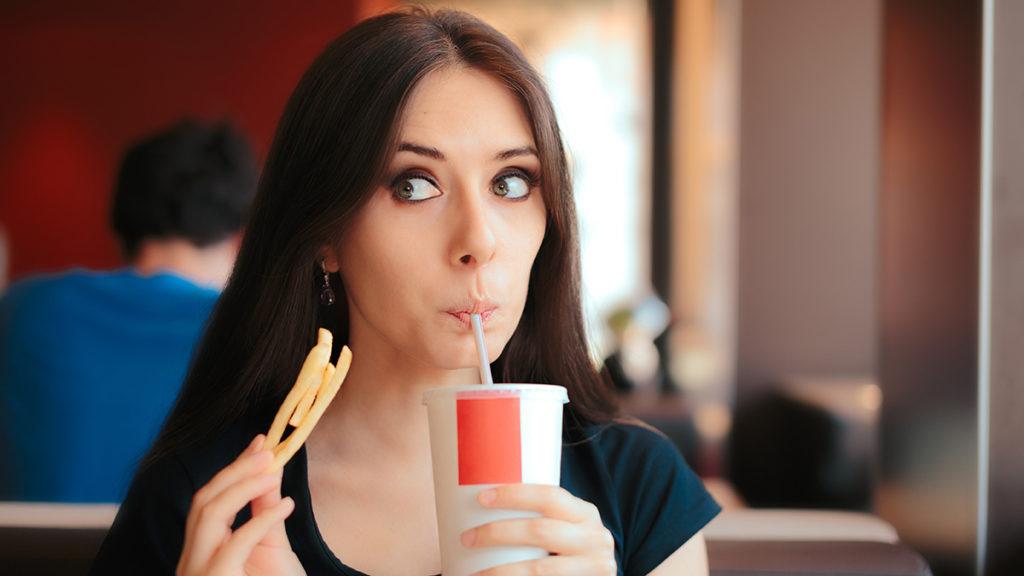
[511,186]
[414,189]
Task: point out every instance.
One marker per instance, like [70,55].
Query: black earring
[326,293]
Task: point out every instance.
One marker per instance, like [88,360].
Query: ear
[330,258]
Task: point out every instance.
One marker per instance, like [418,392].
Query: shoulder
[74,289]
[629,466]
[39,288]
[624,443]
[184,470]
[201,462]
[148,532]
[151,520]
[183,287]
[649,498]
[634,433]
[33,304]
[74,278]
[79,285]
[640,461]
[166,480]
[173,478]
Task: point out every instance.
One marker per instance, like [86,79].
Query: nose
[474,242]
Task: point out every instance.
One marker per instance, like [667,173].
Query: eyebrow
[421,150]
[516,152]
[437,155]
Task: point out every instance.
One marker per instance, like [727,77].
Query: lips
[463,312]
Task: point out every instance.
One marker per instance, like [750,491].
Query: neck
[379,409]
[207,266]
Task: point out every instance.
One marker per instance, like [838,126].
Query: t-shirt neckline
[309,519]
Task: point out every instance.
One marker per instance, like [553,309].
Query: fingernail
[487,497]
[285,507]
[468,537]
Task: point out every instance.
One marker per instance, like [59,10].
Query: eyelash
[408,175]
[532,180]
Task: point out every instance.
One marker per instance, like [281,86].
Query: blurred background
[788,262]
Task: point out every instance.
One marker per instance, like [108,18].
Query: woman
[417,175]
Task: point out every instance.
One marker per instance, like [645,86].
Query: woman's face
[453,229]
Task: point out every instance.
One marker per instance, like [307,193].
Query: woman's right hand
[258,547]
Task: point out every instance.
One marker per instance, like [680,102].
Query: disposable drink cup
[486,436]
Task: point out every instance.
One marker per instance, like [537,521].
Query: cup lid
[539,391]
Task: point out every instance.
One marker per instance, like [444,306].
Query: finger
[310,374]
[270,498]
[255,445]
[561,565]
[237,550]
[227,504]
[214,520]
[194,559]
[209,491]
[200,544]
[551,501]
[248,462]
[265,501]
[556,536]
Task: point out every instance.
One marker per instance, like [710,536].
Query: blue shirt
[649,500]
[90,364]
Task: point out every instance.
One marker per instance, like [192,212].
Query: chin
[459,356]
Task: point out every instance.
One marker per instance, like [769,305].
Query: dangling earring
[326,293]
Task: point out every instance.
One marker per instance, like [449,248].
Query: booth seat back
[753,542]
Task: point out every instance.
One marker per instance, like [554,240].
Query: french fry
[303,408]
[309,376]
[285,450]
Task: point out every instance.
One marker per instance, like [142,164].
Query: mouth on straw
[481,351]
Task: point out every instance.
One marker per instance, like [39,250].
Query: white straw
[481,350]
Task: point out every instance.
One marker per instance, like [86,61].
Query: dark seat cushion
[761,558]
[48,551]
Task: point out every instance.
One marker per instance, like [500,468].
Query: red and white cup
[485,436]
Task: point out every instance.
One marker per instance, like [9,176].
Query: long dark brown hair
[335,138]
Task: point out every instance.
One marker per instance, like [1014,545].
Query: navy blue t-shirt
[649,500]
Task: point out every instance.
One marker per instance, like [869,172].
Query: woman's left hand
[569,528]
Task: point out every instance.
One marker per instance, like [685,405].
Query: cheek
[525,240]
[533,230]
[382,262]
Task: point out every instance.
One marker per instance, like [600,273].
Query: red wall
[80,81]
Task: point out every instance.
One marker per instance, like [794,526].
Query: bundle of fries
[314,388]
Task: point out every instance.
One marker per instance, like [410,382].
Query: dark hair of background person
[329,154]
[192,181]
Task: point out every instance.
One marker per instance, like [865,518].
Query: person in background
[91,362]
